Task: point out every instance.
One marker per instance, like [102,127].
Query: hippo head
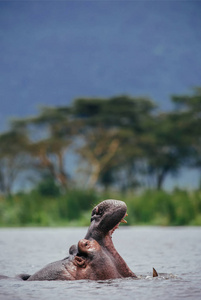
[92,262]
[105,218]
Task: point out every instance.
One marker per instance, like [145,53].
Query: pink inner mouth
[117,226]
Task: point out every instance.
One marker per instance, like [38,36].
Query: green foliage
[48,187]
[152,208]
[74,208]
[162,208]
[34,209]
[76,203]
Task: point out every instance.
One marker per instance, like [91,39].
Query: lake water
[174,252]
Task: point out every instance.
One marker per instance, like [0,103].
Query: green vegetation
[164,208]
[74,208]
[38,209]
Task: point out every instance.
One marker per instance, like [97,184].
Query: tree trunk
[94,175]
[160,178]
[61,176]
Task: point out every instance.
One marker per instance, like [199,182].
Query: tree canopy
[120,141]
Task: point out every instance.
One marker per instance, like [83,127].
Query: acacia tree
[13,159]
[176,138]
[165,150]
[100,150]
[110,132]
[188,112]
[51,134]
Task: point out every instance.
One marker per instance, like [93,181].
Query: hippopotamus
[94,257]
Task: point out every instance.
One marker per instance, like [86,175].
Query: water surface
[174,252]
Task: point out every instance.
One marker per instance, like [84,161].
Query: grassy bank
[74,208]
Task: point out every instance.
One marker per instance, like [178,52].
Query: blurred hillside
[55,51]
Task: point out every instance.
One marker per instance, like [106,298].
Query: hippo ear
[79,262]
[155,274]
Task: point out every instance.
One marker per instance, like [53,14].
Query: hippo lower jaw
[119,263]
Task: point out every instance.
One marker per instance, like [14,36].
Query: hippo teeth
[124,221]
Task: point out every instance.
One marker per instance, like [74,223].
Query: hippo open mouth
[117,226]
[105,219]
